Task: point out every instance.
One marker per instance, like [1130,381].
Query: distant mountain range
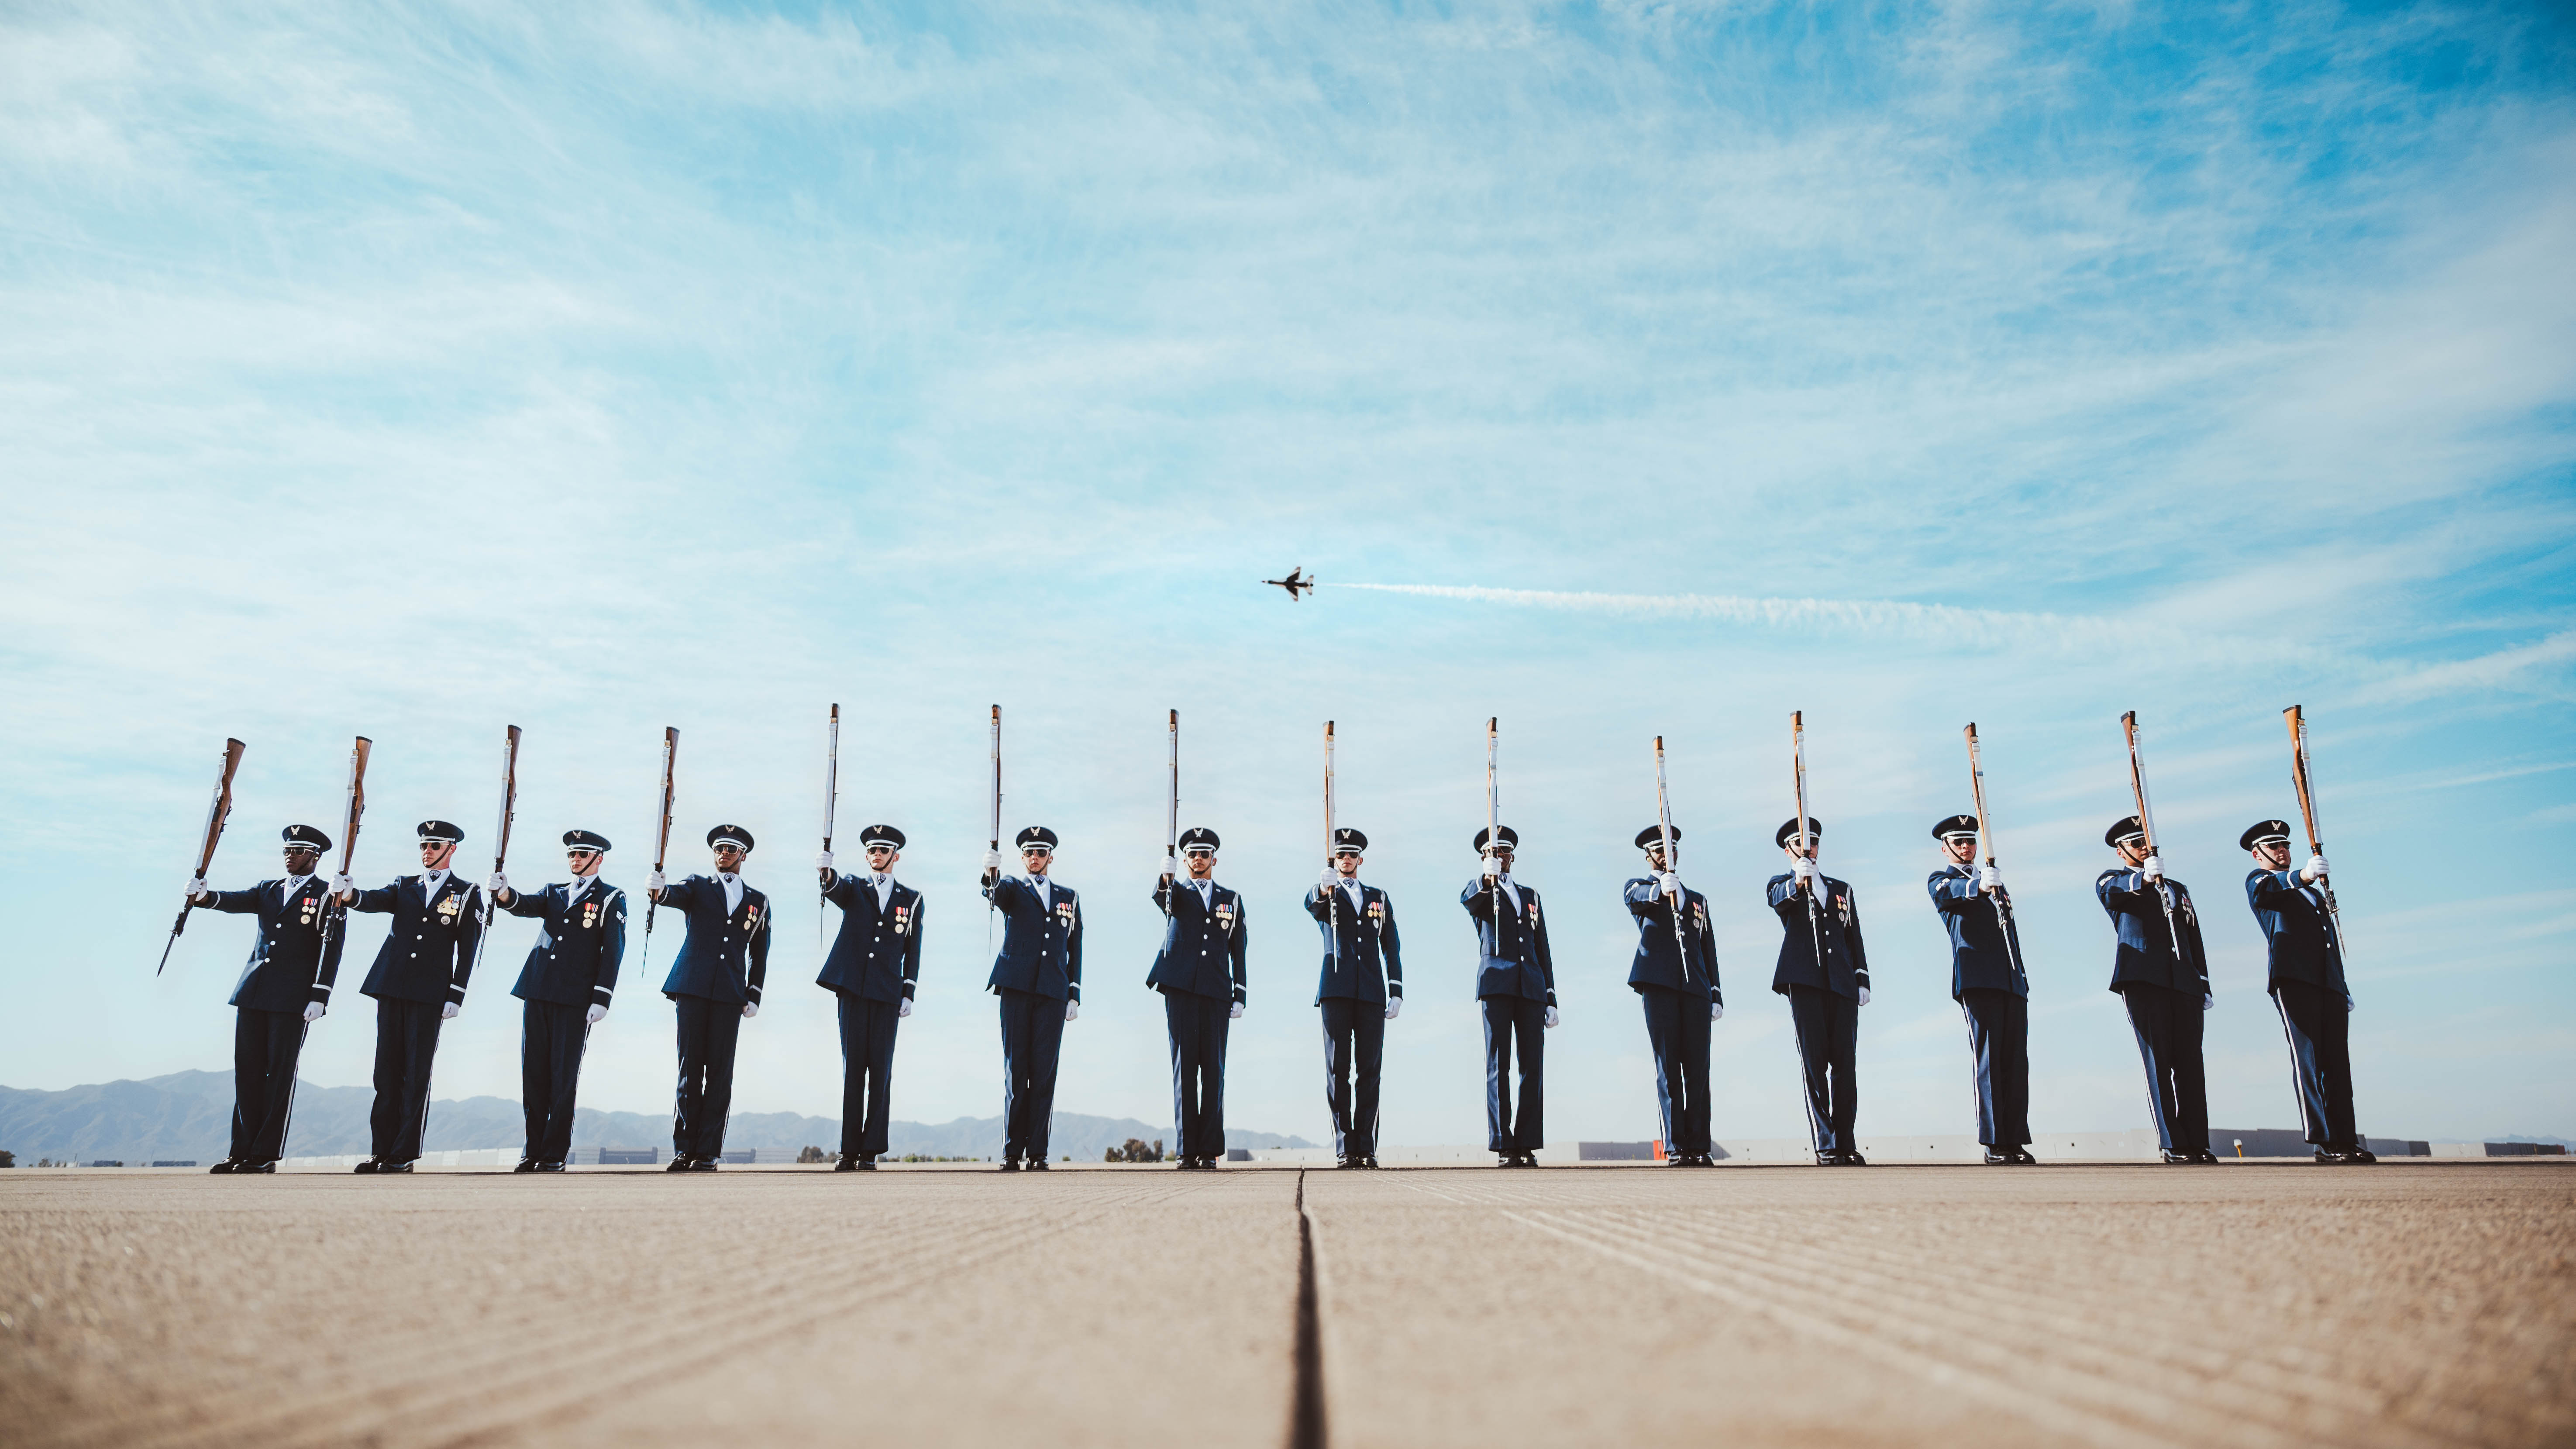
[188,1115]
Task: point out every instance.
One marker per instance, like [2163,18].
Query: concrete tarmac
[2244,1304]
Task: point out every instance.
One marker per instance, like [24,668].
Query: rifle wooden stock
[218,810]
[1806,840]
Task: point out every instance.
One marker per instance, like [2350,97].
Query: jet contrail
[1935,623]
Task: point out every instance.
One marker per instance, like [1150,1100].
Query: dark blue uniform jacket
[725,957]
[1845,970]
[430,950]
[2293,917]
[877,956]
[1981,959]
[1366,961]
[2146,951]
[1511,955]
[577,954]
[287,969]
[1661,960]
[1041,945]
[1202,941]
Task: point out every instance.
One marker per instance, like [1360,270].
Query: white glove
[2207,1002]
[903,1008]
[1669,883]
[1717,1011]
[654,882]
[341,885]
[1864,996]
[498,885]
[2347,1001]
[1072,1010]
[1332,880]
[594,1015]
[1989,878]
[2316,870]
[197,887]
[992,862]
[1171,867]
[750,1009]
[1548,1017]
[1394,1004]
[313,1010]
[1493,867]
[1805,870]
[2153,867]
[447,1011]
[1234,1012]
[823,861]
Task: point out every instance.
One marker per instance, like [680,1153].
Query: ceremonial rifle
[1806,844]
[2298,722]
[1172,812]
[1986,847]
[335,913]
[994,849]
[2147,831]
[831,797]
[661,842]
[1333,892]
[1493,836]
[217,811]
[500,838]
[1672,865]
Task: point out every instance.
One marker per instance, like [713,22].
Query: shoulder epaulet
[2106,875]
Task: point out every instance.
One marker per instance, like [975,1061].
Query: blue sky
[414,371]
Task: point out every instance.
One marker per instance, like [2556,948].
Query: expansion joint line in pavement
[1306,1410]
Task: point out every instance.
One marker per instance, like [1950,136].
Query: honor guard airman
[1361,990]
[715,984]
[285,988]
[1200,973]
[1516,989]
[418,981]
[1986,980]
[1675,976]
[1038,976]
[2307,984]
[1824,971]
[874,964]
[2162,976]
[567,984]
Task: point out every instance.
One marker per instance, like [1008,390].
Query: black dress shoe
[1010,1164]
[2171,1156]
[1829,1159]
[846,1164]
[268,1166]
[526,1164]
[2205,1155]
[2362,1155]
[705,1164]
[223,1168]
[1998,1157]
[1853,1158]
[1037,1164]
[1507,1159]
[867,1164]
[1369,1161]
[1345,1164]
[393,1167]
[370,1165]
[2021,1156]
[548,1167]
[679,1163]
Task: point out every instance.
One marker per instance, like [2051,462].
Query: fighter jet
[1295,581]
